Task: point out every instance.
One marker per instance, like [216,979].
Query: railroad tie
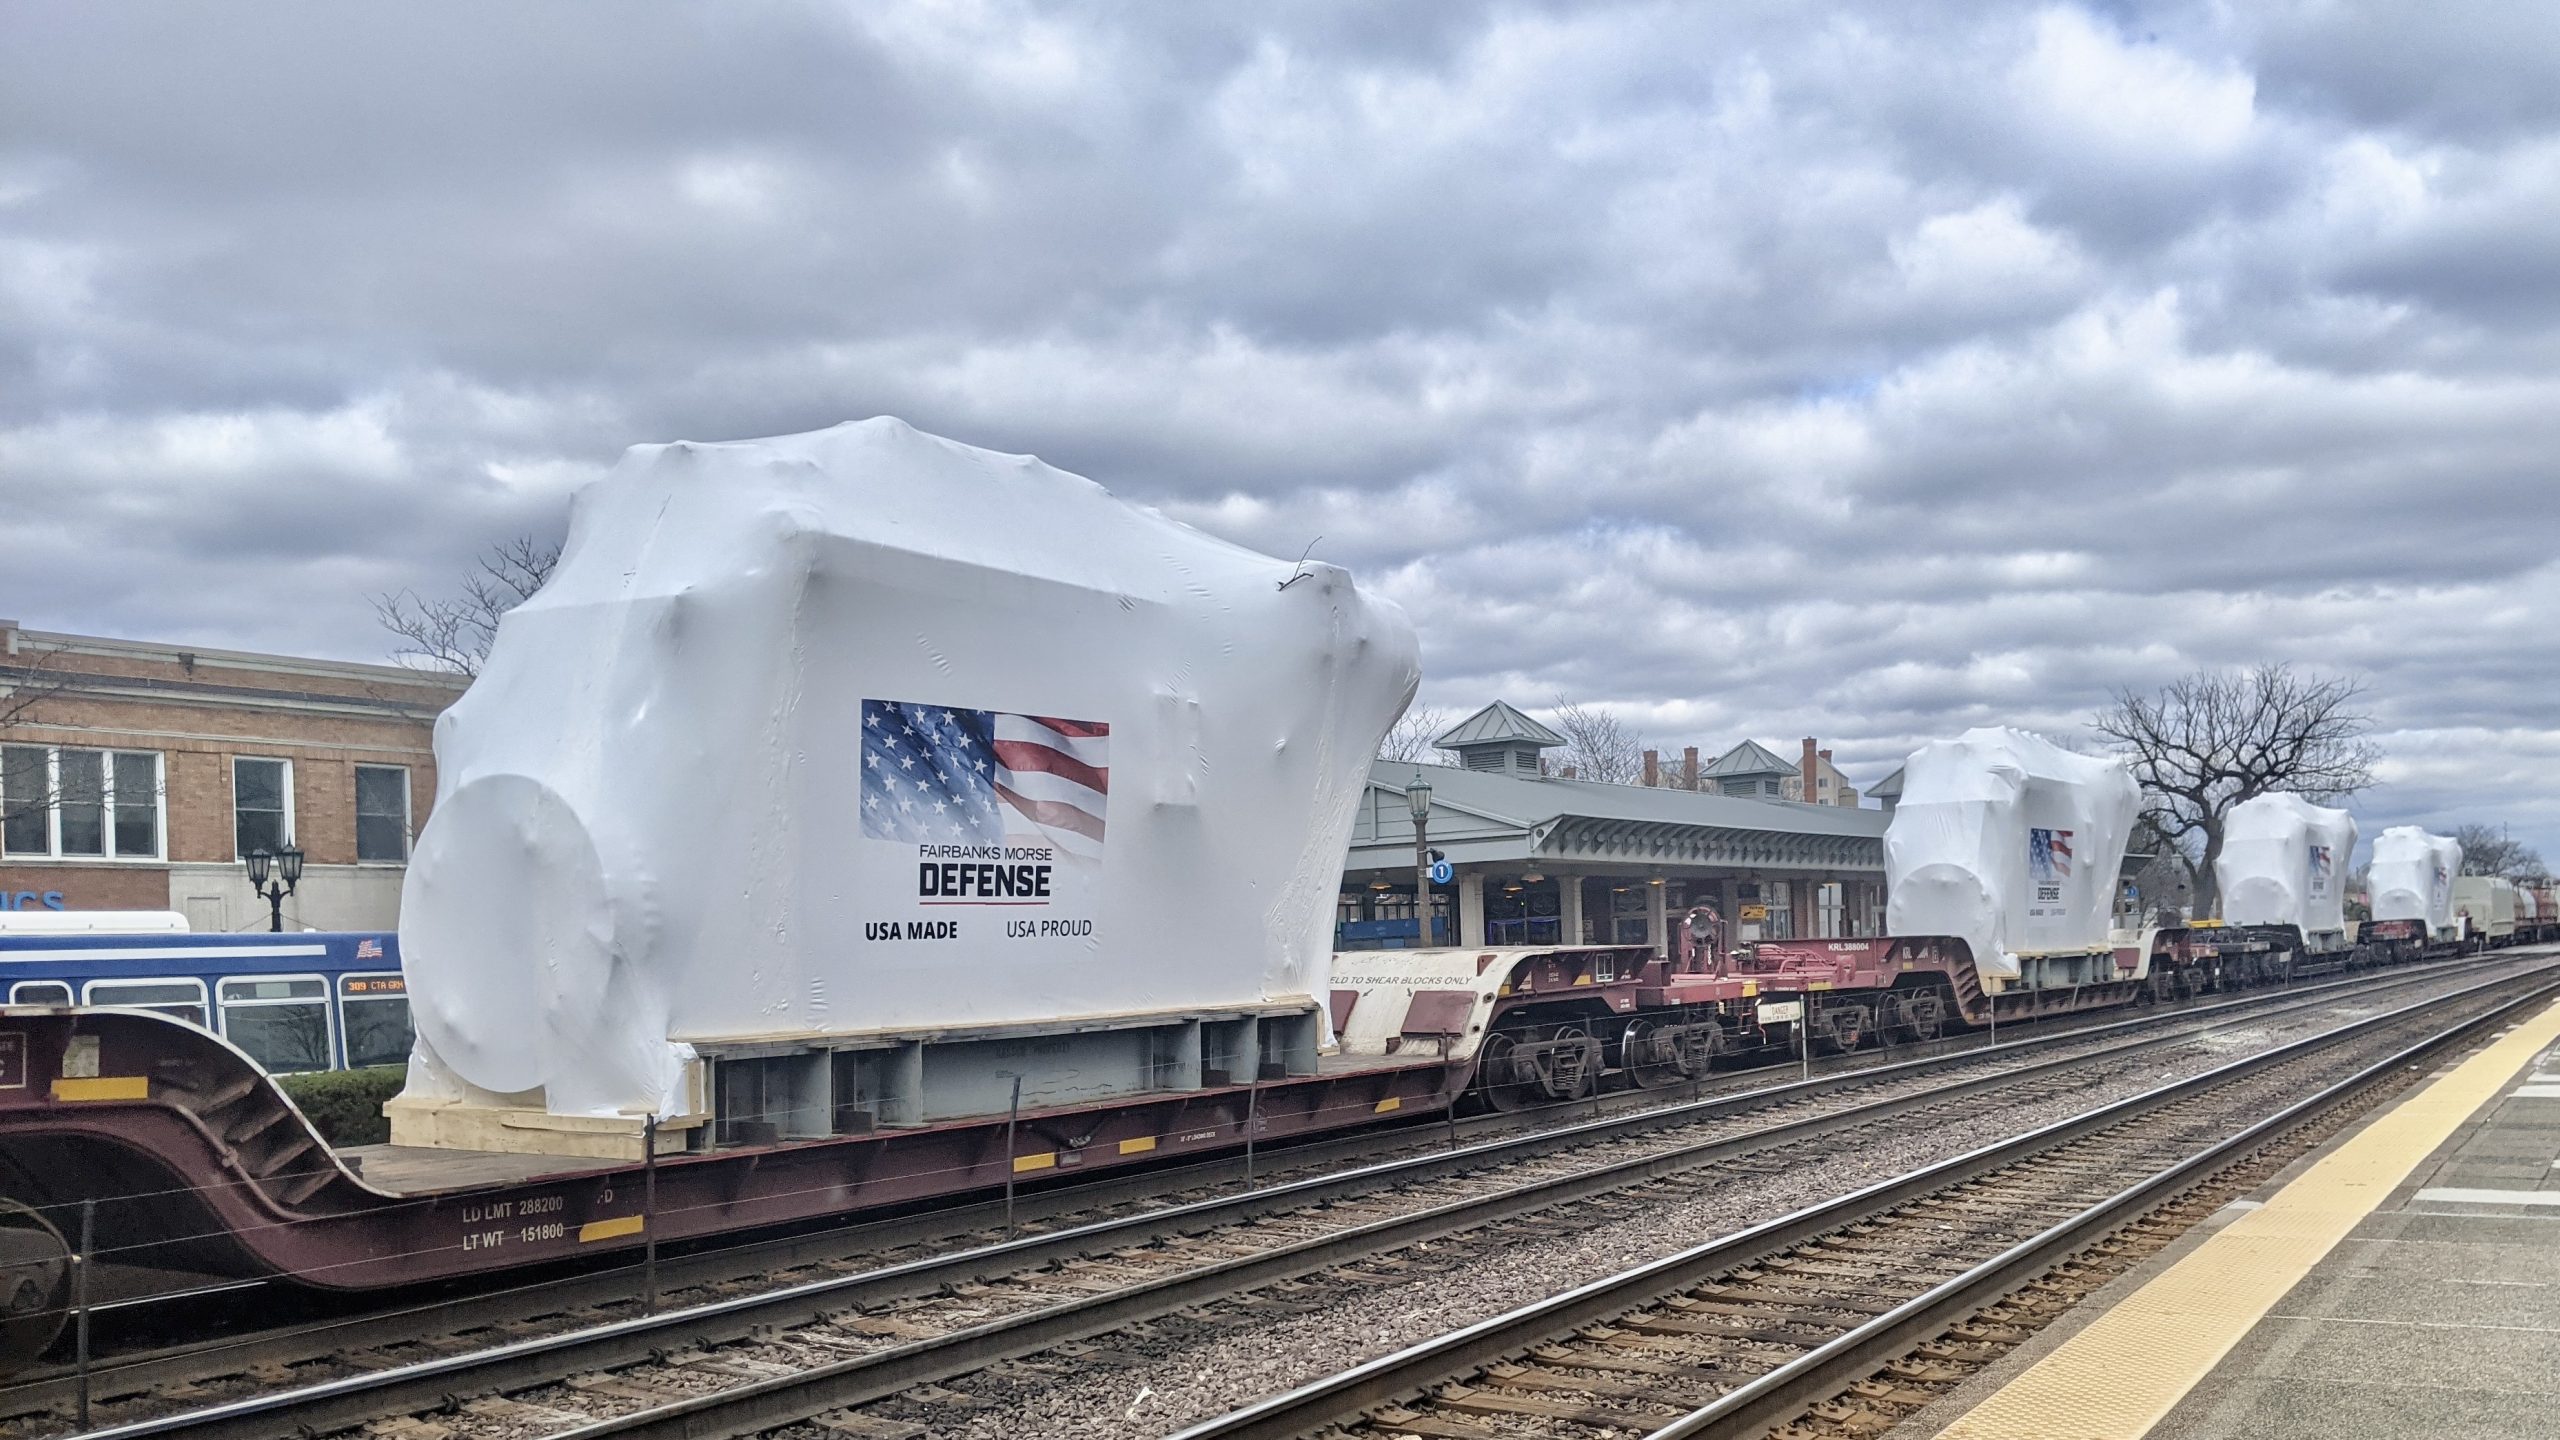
[1529,1377]
[1395,1420]
[859,1426]
[1468,1400]
[408,1427]
[614,1387]
[945,1396]
[520,1412]
[1621,1362]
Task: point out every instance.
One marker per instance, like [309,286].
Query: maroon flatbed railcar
[188,1161]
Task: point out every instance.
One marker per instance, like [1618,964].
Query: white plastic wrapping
[2010,843]
[2412,876]
[864,730]
[2284,862]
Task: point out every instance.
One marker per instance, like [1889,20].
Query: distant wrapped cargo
[2010,843]
[2412,876]
[865,736]
[2283,863]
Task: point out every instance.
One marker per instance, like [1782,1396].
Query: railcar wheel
[1919,1015]
[1572,1063]
[1843,1028]
[35,1285]
[1651,1055]
[1700,1047]
[1505,1079]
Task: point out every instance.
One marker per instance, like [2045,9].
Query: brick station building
[134,776]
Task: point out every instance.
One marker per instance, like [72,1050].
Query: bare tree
[1409,739]
[454,634]
[2211,739]
[1598,745]
[2490,850]
[27,681]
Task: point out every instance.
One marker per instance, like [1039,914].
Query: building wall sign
[31,900]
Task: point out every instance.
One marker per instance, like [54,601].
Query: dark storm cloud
[1866,373]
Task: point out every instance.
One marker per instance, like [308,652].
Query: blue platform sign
[1442,872]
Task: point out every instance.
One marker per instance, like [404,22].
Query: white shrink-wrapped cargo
[2284,862]
[2412,876]
[869,731]
[2010,843]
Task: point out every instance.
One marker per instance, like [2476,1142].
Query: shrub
[345,1106]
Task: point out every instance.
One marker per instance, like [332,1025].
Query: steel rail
[530,1363]
[713,1263]
[1767,1400]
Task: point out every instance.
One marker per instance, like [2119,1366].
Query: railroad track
[1860,1310]
[754,1362]
[181,1375]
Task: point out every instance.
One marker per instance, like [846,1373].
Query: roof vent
[1498,738]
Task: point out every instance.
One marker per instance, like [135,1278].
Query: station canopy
[1483,817]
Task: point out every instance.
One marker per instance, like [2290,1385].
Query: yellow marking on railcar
[104,1087]
[1392,1102]
[1139,1146]
[613,1229]
[1045,1160]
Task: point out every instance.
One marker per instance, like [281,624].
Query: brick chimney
[1653,767]
[1566,773]
[1810,767]
[1689,768]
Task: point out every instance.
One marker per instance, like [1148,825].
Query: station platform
[2402,1280]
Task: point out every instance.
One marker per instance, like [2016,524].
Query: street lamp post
[1418,795]
[287,867]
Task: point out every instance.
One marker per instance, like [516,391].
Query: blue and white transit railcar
[317,1000]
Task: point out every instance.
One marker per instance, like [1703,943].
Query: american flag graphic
[2049,854]
[935,774]
[2319,866]
[368,949]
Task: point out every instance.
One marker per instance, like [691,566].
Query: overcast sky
[1865,372]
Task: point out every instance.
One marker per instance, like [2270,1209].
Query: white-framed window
[182,996]
[40,992]
[382,814]
[261,804]
[373,1010]
[65,803]
[1778,896]
[281,1020]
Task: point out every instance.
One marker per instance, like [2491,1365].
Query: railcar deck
[407,1170]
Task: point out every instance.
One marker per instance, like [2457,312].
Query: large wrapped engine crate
[2412,876]
[2284,862]
[2010,843]
[824,751]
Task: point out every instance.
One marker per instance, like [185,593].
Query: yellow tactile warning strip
[2118,1377]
